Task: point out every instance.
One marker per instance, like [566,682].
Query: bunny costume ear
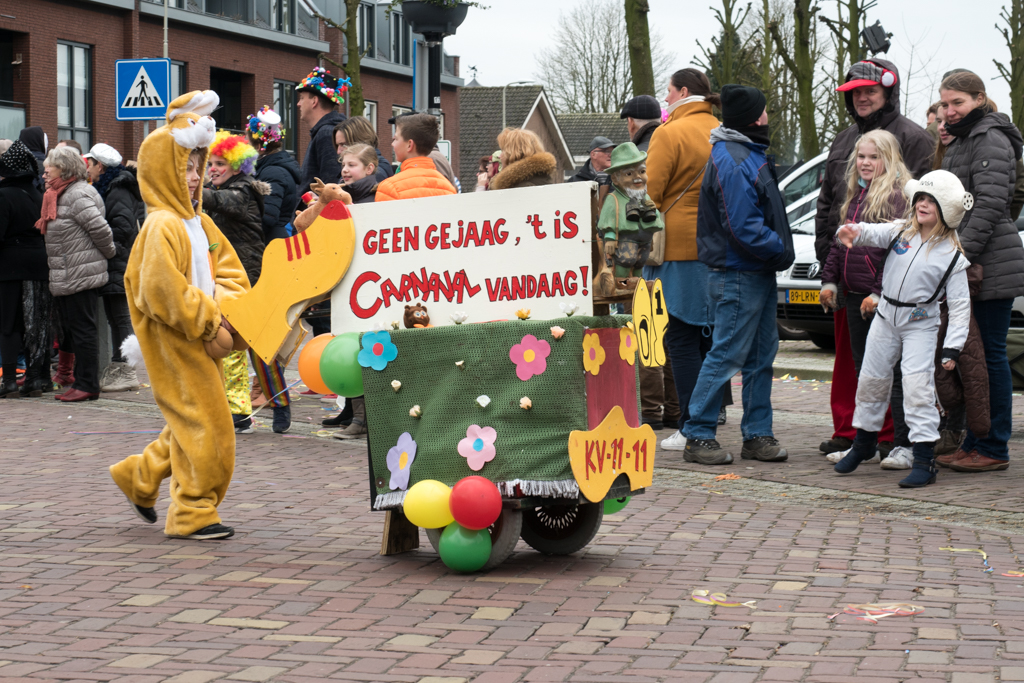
[200,102]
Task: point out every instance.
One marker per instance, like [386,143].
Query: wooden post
[400,535]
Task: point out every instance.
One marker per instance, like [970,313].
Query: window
[367,29]
[370,113]
[284,105]
[177,85]
[401,40]
[239,10]
[805,183]
[282,15]
[397,111]
[228,84]
[7,66]
[74,90]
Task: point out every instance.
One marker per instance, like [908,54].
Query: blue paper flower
[378,350]
[399,461]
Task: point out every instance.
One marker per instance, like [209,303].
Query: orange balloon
[309,363]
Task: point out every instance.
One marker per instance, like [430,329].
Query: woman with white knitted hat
[924,262]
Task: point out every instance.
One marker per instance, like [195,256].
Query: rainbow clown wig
[235,150]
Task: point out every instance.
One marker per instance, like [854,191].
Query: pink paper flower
[530,356]
[478,446]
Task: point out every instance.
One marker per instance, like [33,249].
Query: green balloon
[464,550]
[339,365]
[613,505]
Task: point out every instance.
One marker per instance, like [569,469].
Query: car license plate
[802,296]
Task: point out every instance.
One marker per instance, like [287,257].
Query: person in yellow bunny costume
[181,268]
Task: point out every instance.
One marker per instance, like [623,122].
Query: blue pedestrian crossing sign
[143,88]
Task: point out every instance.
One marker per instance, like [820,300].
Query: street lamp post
[503,89]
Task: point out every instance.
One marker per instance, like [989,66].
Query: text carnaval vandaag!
[454,287]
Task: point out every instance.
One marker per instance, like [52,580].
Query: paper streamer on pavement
[720,599]
[984,555]
[874,611]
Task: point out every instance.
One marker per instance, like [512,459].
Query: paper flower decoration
[557,332]
[416,411]
[593,354]
[396,385]
[530,356]
[478,446]
[378,350]
[460,364]
[400,459]
[459,317]
[523,314]
[483,401]
[395,325]
[627,345]
[569,307]
[525,403]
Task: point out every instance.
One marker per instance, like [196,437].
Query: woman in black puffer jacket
[125,214]
[278,169]
[983,155]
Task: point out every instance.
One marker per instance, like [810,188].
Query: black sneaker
[282,419]
[705,452]
[147,515]
[243,424]
[208,533]
[835,445]
[763,448]
[656,425]
[722,417]
[342,419]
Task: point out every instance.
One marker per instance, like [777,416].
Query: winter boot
[863,449]
[9,388]
[65,369]
[357,429]
[838,443]
[342,419]
[119,377]
[924,471]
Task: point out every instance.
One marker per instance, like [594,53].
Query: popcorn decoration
[460,364]
[396,385]
[265,126]
[569,308]
[459,317]
[483,401]
[525,403]
[416,411]
[557,332]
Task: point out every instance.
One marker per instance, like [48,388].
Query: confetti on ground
[1015,573]
[874,611]
[727,477]
[721,599]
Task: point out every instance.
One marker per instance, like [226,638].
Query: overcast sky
[502,41]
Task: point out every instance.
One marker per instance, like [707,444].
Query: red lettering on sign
[458,243]
[589,467]
[492,292]
[506,294]
[363,313]
[396,240]
[531,286]
[542,286]
[500,235]
[444,236]
[388,290]
[519,288]
[570,282]
[412,238]
[382,246]
[569,224]
[421,284]
[472,234]
[429,238]
[536,222]
[487,234]
[556,284]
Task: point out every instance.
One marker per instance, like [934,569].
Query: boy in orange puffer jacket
[415,137]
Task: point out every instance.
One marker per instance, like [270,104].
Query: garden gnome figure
[629,217]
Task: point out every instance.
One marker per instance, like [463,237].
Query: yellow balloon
[426,504]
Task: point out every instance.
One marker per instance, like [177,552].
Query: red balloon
[475,502]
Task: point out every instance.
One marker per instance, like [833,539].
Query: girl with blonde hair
[524,163]
[875,178]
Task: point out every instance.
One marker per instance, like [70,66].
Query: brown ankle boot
[65,369]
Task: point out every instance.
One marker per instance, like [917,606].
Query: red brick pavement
[89,593]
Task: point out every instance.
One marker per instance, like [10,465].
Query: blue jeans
[993,319]
[745,338]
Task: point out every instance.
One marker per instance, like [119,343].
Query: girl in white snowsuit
[924,261]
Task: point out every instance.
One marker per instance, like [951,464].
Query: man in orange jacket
[415,137]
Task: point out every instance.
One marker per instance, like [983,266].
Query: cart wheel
[504,536]
[562,529]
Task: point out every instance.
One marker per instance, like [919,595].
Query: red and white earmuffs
[888,78]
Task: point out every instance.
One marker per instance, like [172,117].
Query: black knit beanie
[741,105]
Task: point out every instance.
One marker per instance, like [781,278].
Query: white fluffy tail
[132,352]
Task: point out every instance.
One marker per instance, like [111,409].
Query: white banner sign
[484,254]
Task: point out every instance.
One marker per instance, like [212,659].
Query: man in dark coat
[317,98]
[125,213]
[599,161]
[872,93]
[643,115]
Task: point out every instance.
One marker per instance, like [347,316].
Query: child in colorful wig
[234,200]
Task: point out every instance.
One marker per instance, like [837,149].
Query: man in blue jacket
[743,237]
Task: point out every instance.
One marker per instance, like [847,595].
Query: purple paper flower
[400,459]
[478,446]
[530,356]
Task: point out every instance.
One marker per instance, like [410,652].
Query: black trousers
[25,311]
[116,308]
[859,328]
[686,345]
[12,327]
[78,321]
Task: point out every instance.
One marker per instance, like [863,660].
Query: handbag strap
[699,175]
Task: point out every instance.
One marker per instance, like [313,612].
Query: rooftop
[580,129]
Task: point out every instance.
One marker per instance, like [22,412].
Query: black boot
[863,449]
[924,471]
[9,388]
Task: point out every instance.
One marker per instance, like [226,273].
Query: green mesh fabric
[531,445]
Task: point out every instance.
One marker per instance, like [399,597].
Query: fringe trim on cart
[564,488]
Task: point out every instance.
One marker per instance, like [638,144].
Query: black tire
[823,341]
[562,529]
[504,536]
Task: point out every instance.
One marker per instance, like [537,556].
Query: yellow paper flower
[593,354]
[627,345]
[523,314]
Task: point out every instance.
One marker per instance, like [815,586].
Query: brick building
[57,63]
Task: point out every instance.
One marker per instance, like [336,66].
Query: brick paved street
[89,593]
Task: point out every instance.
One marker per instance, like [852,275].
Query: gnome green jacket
[613,217]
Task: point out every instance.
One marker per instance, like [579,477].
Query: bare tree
[729,55]
[1013,34]
[774,79]
[587,68]
[800,59]
[639,36]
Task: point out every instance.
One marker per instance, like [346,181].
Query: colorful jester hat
[233,148]
[321,81]
[265,127]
